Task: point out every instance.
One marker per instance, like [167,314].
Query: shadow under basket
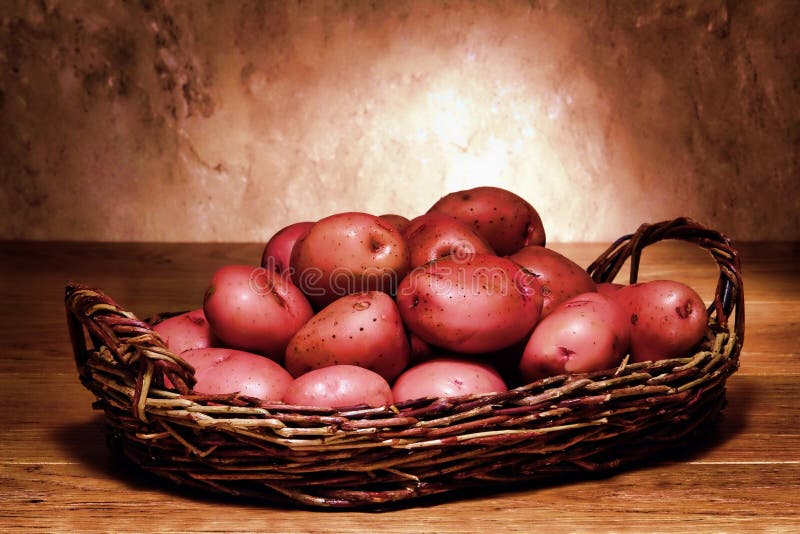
[374,457]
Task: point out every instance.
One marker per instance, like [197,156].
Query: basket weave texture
[369,457]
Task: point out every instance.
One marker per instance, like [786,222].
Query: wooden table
[56,473]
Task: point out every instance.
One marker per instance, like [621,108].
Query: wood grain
[56,474]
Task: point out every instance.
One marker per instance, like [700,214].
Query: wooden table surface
[56,474]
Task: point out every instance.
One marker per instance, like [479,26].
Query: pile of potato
[358,309]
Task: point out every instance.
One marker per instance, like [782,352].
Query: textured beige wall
[205,121]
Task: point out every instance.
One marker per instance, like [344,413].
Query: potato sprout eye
[376,245]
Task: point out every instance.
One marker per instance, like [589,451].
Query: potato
[278,250]
[348,253]
[447,377]
[186,331]
[478,305]
[436,235]
[560,277]
[363,329]
[588,332]
[339,386]
[668,319]
[504,219]
[398,221]
[223,370]
[608,288]
[255,309]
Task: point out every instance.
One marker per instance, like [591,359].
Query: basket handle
[96,322]
[729,294]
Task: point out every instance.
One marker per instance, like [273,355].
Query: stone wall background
[206,121]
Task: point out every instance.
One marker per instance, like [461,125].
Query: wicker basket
[367,457]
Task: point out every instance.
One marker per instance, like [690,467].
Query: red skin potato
[447,377]
[339,386]
[363,329]
[348,253]
[436,235]
[608,288]
[588,332]
[223,370]
[668,319]
[255,309]
[186,331]
[480,305]
[398,221]
[278,250]
[560,277]
[506,220]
